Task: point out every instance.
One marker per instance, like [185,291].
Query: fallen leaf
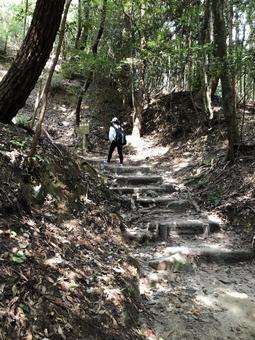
[24,307]
[18,258]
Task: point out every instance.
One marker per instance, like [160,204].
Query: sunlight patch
[206,300]
[52,262]
[181,165]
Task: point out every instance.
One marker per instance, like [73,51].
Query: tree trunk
[91,73]
[79,25]
[140,93]
[225,76]
[203,97]
[45,92]
[215,83]
[6,43]
[25,18]
[139,101]
[31,58]
[84,29]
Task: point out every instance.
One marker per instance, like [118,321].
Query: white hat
[114,120]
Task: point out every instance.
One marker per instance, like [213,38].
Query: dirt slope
[65,272]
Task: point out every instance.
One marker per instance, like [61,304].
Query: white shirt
[112,132]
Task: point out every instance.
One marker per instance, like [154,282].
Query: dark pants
[112,148]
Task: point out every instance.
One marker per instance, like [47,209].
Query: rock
[177,262]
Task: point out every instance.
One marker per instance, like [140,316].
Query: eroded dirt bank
[65,270]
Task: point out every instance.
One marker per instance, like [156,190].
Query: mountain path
[196,280]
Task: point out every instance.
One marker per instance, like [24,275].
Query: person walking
[117,138]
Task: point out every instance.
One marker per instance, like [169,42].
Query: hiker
[117,137]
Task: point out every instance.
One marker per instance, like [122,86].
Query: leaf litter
[63,258]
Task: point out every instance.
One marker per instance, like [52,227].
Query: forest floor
[192,297]
[67,272]
[65,269]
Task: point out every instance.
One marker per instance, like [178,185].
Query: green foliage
[12,22]
[165,37]
[215,197]
[22,120]
[18,258]
[57,82]
[20,12]
[81,63]
[21,145]
[24,307]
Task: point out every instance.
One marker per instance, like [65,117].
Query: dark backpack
[120,138]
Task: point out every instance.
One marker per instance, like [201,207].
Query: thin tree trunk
[215,83]
[139,101]
[45,91]
[25,19]
[91,73]
[244,106]
[6,43]
[85,29]
[79,25]
[37,102]
[203,97]
[225,76]
[31,59]
[140,95]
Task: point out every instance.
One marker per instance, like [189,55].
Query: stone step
[126,169]
[164,229]
[137,180]
[152,205]
[148,190]
[189,254]
[94,161]
[161,215]
[145,215]
[165,201]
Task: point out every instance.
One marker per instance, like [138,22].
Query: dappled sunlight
[145,148]
[236,306]
[156,244]
[214,246]
[2,73]
[179,165]
[235,294]
[62,108]
[205,300]
[54,261]
[172,250]
[114,295]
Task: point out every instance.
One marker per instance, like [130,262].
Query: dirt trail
[196,280]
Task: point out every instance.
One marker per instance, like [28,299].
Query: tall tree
[25,18]
[139,97]
[228,96]
[45,91]
[94,49]
[204,95]
[31,58]
[83,24]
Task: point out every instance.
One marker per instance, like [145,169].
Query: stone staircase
[157,206]
[159,211]
[190,271]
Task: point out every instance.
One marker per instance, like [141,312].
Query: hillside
[65,271]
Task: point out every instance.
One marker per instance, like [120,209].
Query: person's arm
[112,134]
